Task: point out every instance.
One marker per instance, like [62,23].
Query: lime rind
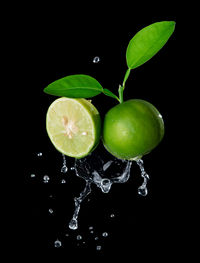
[132,129]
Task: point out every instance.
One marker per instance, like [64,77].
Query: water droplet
[46,179]
[79,237]
[32,175]
[63,181]
[112,215]
[98,248]
[105,185]
[73,224]
[96,60]
[104,234]
[142,191]
[57,243]
[64,169]
[66,234]
[50,211]
[39,154]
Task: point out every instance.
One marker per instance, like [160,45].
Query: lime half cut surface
[73,126]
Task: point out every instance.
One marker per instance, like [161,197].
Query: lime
[73,126]
[132,129]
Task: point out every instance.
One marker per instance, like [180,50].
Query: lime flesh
[73,126]
[132,129]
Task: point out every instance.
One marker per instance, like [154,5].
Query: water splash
[142,190]
[94,170]
[64,168]
[77,200]
[103,172]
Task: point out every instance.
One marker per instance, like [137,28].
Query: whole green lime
[132,129]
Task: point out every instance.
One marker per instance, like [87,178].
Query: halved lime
[73,126]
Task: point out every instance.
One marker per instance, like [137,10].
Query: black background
[47,45]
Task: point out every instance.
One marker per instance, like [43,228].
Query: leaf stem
[126,77]
[120,90]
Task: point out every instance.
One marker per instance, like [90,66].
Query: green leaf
[110,94]
[147,42]
[75,86]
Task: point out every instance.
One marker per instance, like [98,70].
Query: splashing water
[74,222]
[64,168]
[94,170]
[102,171]
[142,190]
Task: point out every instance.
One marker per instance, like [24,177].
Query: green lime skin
[132,129]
